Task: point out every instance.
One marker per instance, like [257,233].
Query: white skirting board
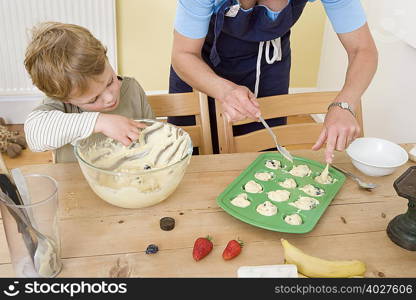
[14,109]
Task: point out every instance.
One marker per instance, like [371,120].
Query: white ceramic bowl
[376,157]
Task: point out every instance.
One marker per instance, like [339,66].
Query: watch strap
[343,105]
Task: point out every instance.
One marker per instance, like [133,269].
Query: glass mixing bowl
[131,188]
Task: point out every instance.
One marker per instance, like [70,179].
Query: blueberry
[147,167]
[152,249]
[269,161]
[319,191]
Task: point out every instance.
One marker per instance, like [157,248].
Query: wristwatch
[343,105]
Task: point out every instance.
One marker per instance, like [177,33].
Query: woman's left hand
[340,128]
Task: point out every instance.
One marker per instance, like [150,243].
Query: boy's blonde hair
[61,58]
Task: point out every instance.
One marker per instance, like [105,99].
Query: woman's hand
[339,130]
[118,128]
[239,103]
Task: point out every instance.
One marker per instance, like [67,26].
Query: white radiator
[17,94]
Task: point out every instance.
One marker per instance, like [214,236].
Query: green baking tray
[276,222]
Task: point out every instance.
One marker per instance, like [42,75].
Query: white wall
[389,104]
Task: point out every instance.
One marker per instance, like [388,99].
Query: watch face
[344,105]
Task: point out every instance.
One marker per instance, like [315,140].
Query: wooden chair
[279,106]
[186,104]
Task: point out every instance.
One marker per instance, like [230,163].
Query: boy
[84,95]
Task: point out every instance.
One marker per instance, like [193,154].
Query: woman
[235,51]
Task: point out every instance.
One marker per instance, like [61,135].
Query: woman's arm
[340,127]
[191,27]
[238,102]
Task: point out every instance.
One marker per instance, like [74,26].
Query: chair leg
[205,124]
[225,133]
[359,116]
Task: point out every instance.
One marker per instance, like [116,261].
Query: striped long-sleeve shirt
[55,125]
[49,130]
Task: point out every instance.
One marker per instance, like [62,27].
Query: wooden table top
[101,240]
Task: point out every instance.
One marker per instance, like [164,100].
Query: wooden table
[101,240]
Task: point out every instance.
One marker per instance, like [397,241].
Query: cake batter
[324,178]
[289,183]
[264,176]
[267,209]
[241,200]
[293,219]
[279,195]
[253,187]
[305,203]
[272,164]
[144,181]
[312,190]
[300,171]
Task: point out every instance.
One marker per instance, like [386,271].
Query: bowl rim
[141,172]
[376,165]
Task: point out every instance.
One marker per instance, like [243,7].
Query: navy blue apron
[231,48]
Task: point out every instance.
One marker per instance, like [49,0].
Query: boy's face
[103,93]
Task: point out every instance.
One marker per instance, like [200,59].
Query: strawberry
[202,247]
[232,250]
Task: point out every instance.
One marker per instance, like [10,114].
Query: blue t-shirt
[193,16]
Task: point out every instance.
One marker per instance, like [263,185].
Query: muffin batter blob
[264,176]
[312,190]
[300,171]
[253,187]
[289,183]
[305,203]
[278,195]
[241,200]
[293,219]
[324,178]
[272,164]
[267,209]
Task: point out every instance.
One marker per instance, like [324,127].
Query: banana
[311,266]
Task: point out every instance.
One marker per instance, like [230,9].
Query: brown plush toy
[11,142]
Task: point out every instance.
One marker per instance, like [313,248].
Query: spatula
[7,187]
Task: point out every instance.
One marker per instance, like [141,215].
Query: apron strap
[277,56]
[219,21]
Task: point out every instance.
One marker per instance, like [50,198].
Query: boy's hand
[119,128]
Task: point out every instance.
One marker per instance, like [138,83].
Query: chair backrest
[273,107]
[186,104]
